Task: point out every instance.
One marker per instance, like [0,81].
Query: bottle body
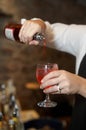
[11,125]
[3,122]
[4,101]
[12,31]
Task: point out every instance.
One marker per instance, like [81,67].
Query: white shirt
[67,38]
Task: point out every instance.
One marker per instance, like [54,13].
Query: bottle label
[9,34]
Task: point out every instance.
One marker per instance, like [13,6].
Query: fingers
[57,89]
[50,82]
[53,74]
[59,84]
[34,42]
[27,31]
[53,89]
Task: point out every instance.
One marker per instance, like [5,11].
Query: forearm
[68,38]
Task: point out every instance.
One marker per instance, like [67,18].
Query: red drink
[40,73]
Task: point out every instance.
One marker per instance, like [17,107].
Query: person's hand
[29,29]
[63,82]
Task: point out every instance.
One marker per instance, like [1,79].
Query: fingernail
[40,87]
[44,91]
[41,81]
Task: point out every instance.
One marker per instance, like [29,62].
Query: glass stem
[47,97]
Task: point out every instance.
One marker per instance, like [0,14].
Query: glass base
[48,103]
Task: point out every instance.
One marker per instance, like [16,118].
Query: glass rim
[47,64]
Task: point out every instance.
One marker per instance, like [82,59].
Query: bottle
[10,88]
[12,102]
[4,102]
[3,123]
[16,118]
[12,32]
[11,125]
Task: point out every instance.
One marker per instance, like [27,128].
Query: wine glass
[41,71]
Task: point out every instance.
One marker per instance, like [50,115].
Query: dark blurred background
[18,62]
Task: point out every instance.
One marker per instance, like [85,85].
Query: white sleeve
[67,38]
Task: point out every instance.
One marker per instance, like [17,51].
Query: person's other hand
[62,82]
